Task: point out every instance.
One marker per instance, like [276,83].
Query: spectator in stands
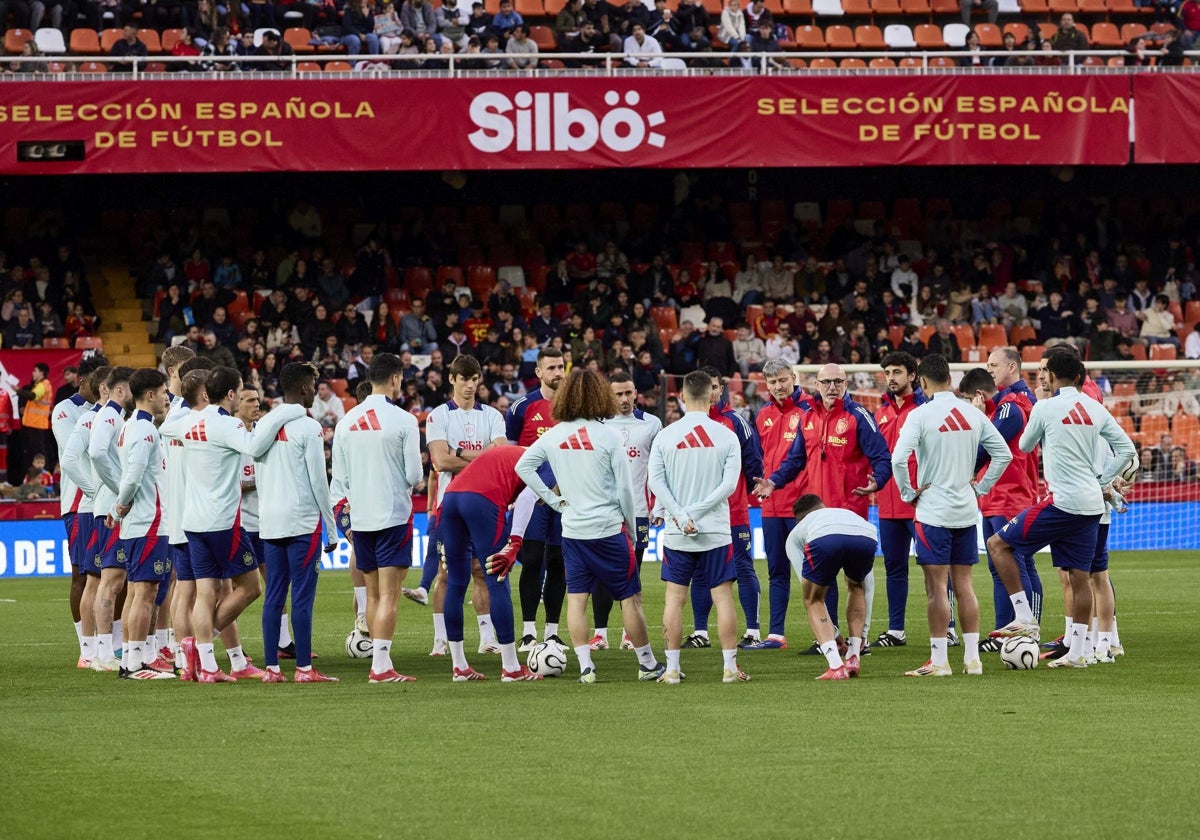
[757,13]
[569,22]
[275,47]
[1158,324]
[220,326]
[351,328]
[49,323]
[1056,323]
[452,23]
[331,284]
[608,22]
[20,11]
[358,28]
[778,281]
[218,47]
[641,50]
[70,386]
[327,408]
[479,22]
[748,289]
[477,325]
[312,330]
[1014,308]
[22,331]
[128,46]
[211,348]
[509,385]
[284,335]
[834,325]
[992,7]
[506,21]
[1122,319]
[656,286]
[1178,400]
[1095,329]
[587,40]
[383,328]
[944,342]
[783,345]
[714,350]
[417,332]
[1179,467]
[974,52]
[1148,399]
[227,275]
[1191,347]
[521,50]
[503,300]
[646,374]
[586,347]
[904,278]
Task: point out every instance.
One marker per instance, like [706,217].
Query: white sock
[1076,639]
[124,652]
[381,655]
[853,646]
[1095,630]
[529,628]
[896,634]
[274,669]
[646,656]
[180,659]
[937,651]
[551,629]
[672,660]
[118,640]
[303,669]
[1116,637]
[104,646]
[208,659]
[457,656]
[1021,607]
[88,647]
[1103,644]
[1070,625]
[753,634]
[161,639]
[829,649]
[730,657]
[171,638]
[1089,649]
[508,657]
[584,654]
[135,657]
[237,659]
[439,626]
[602,632]
[970,647]
[79,635]
[150,643]
[703,633]
[285,631]
[360,600]
[487,632]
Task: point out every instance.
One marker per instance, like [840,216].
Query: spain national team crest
[469,429]
[159,568]
[120,555]
[842,425]
[793,422]
[247,559]
[96,561]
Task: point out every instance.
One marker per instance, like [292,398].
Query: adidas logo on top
[697,438]
[579,440]
[1077,417]
[955,422]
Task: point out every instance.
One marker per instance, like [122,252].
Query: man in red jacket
[848,457]
[896,531]
[777,427]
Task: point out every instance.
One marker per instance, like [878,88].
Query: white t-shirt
[106,459]
[75,462]
[376,463]
[292,488]
[63,419]
[825,522]
[143,467]
[695,465]
[637,431]
[471,430]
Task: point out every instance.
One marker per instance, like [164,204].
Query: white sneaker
[417,596]
[670,678]
[735,676]
[1106,659]
[440,648]
[360,624]
[974,668]
[1117,650]
[489,647]
[930,670]
[108,664]
[1066,662]
[1017,628]
[527,644]
[626,642]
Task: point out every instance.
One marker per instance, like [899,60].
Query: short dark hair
[295,375]
[465,366]
[1163,299]
[119,375]
[806,504]
[935,368]
[192,384]
[220,381]
[898,358]
[1065,367]
[99,377]
[43,367]
[623,376]
[977,379]
[549,353]
[200,363]
[145,380]
[89,365]
[362,390]
[384,367]
[698,384]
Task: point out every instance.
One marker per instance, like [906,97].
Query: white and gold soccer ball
[358,645]
[1019,654]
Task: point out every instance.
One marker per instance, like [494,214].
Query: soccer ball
[548,659]
[358,645]
[1132,470]
[1019,654]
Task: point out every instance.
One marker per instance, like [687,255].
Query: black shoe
[952,639]
[526,644]
[289,652]
[991,645]
[812,650]
[123,673]
[1057,652]
[886,639]
[554,638]
[866,648]
[747,640]
[696,640]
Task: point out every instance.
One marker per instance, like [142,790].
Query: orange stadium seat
[915,7]
[839,38]
[84,42]
[942,61]
[946,7]
[307,67]
[1093,7]
[1154,425]
[809,38]
[338,67]
[882,64]
[822,64]
[1064,7]
[1163,353]
[56,343]
[869,37]
[1032,353]
[170,37]
[149,37]
[857,8]
[885,7]
[928,37]
[797,7]
[530,8]
[992,336]
[92,67]
[108,37]
[298,39]
[15,40]
[89,342]
[1020,334]
[965,335]
[1019,31]
[852,64]
[543,36]
[664,317]
[990,37]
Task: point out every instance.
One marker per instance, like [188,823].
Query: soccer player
[541,554]
[376,463]
[473,520]
[946,434]
[599,513]
[784,454]
[64,418]
[824,542]
[295,507]
[638,430]
[1000,392]
[896,530]
[106,465]
[456,433]
[74,462]
[695,466]
[1069,426]
[138,520]
[214,442]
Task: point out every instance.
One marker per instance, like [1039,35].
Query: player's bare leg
[727,631]
[1005,561]
[87,616]
[139,606]
[968,616]
[1081,614]
[112,582]
[78,582]
[360,596]
[437,600]
[822,628]
[383,591]
[634,618]
[182,602]
[481,600]
[938,613]
[1104,609]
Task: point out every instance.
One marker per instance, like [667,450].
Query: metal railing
[464,65]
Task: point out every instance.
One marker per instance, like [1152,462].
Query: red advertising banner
[1166,125]
[563,123]
[19,363]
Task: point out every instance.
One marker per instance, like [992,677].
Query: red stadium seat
[869,38]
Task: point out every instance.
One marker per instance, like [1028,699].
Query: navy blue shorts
[1072,537]
[432,538]
[90,538]
[938,546]
[220,555]
[71,525]
[181,562]
[469,525]
[609,561]
[545,526]
[343,518]
[643,536]
[715,564]
[112,556]
[389,548]
[825,556]
[1100,559]
[147,560]
[256,545]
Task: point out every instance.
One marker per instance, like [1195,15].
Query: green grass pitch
[1110,752]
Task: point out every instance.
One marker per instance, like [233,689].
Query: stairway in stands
[123,327]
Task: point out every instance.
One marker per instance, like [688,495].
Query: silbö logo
[545,122]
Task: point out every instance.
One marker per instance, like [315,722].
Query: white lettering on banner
[36,557]
[546,122]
